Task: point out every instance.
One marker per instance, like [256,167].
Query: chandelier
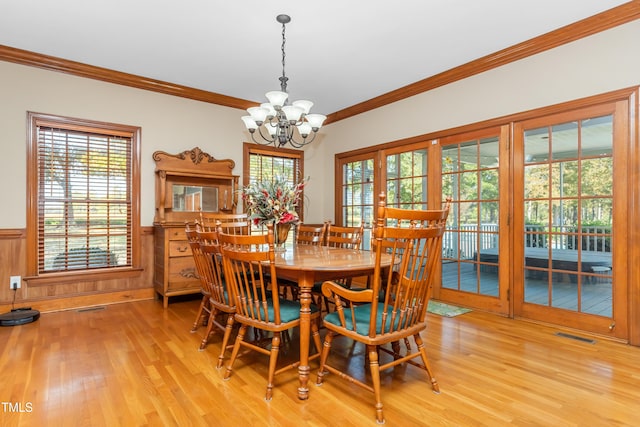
[277,120]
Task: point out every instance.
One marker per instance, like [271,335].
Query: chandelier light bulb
[292,113]
[277,98]
[258,114]
[272,129]
[304,129]
[304,105]
[315,120]
[272,111]
[249,123]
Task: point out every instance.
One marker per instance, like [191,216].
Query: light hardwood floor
[135,364]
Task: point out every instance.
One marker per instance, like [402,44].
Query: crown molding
[52,63]
[592,25]
[611,18]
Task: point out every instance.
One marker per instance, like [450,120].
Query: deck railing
[465,242]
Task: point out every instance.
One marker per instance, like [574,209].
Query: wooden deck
[136,364]
[596,297]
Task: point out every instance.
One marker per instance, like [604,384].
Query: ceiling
[338,54]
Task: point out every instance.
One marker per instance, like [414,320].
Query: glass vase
[280,234]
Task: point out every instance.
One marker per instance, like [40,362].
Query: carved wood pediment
[193,169]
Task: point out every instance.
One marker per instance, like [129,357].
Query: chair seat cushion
[362,318]
[289,310]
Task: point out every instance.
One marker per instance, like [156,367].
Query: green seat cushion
[289,310]
[362,314]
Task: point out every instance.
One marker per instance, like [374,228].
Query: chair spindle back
[344,237]
[250,272]
[310,234]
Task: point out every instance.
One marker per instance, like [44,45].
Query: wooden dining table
[308,264]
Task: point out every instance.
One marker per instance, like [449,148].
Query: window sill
[83,276]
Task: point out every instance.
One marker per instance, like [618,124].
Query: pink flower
[287,217]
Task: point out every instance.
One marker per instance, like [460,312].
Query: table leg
[305,283]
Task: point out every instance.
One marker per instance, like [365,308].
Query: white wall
[597,64]
[601,63]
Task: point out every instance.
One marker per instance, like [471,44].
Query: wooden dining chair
[229,223]
[337,237]
[306,234]
[310,234]
[221,301]
[343,237]
[204,310]
[248,260]
[395,307]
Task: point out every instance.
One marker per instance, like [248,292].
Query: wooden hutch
[187,184]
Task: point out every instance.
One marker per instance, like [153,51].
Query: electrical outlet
[15,282]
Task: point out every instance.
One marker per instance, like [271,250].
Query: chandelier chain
[283,81]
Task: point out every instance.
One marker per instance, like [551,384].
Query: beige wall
[594,65]
[597,64]
[168,123]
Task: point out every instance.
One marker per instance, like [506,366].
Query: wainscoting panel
[75,294]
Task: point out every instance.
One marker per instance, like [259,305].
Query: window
[264,163]
[83,196]
[406,176]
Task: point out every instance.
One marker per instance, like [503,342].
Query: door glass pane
[564,141]
[597,137]
[568,189]
[470,245]
[564,179]
[469,187]
[357,202]
[489,184]
[407,179]
[599,167]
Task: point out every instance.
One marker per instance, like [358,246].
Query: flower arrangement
[273,201]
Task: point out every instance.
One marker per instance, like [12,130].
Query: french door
[474,169]
[539,211]
[570,197]
[356,191]
[537,218]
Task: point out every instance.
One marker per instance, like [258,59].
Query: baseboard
[72,303]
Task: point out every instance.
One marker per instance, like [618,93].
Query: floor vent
[98,307]
[575,337]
